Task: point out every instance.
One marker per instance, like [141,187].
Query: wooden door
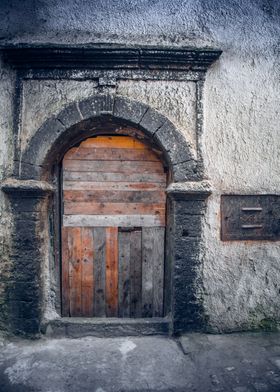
[113,229]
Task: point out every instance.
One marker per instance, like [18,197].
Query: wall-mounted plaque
[250,217]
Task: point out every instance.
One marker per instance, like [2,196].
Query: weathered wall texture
[240,142]
[6,162]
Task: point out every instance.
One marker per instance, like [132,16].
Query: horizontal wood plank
[89,208]
[111,154]
[115,196]
[120,186]
[114,177]
[113,220]
[113,166]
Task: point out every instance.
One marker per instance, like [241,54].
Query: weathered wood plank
[113,220]
[115,177]
[112,271]
[157,255]
[89,208]
[124,274]
[136,273]
[128,167]
[115,196]
[99,240]
[87,272]
[66,232]
[75,256]
[111,154]
[113,141]
[147,272]
[110,186]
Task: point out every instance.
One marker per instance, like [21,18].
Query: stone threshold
[76,327]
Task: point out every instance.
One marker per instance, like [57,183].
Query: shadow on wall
[20,17]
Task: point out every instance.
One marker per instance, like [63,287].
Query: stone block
[186,171]
[173,142]
[70,115]
[152,121]
[23,291]
[25,326]
[129,110]
[96,106]
[189,207]
[24,310]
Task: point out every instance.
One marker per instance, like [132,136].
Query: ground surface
[236,362]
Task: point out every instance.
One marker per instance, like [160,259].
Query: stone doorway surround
[33,191]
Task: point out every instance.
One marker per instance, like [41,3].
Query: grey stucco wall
[240,142]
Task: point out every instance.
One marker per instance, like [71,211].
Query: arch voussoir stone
[97,106]
[70,115]
[152,121]
[129,110]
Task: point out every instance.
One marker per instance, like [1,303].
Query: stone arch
[85,118]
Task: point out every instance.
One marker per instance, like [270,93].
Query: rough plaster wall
[43,99]
[176,100]
[241,146]
[240,142]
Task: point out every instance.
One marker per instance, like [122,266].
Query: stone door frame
[33,191]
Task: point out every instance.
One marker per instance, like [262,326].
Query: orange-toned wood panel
[112,271]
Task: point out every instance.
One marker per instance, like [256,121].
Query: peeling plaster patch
[176,100]
[44,99]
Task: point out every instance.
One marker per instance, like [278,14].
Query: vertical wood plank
[65,271]
[147,271]
[157,255]
[75,256]
[124,274]
[99,239]
[112,271]
[136,272]
[87,272]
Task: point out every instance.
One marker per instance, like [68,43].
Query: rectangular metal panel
[250,217]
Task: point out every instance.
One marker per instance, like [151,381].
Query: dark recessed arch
[87,118]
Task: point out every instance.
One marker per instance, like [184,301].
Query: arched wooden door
[113,229]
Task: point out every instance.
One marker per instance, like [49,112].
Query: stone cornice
[109,57]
